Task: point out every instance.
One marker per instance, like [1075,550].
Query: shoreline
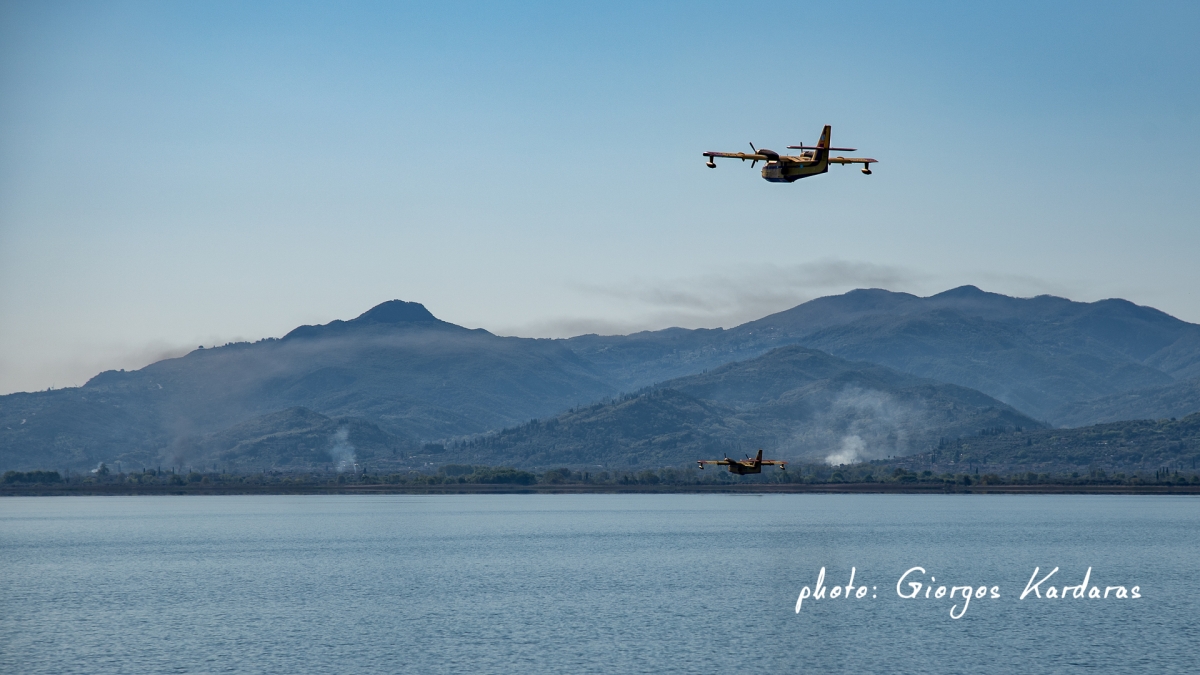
[93,490]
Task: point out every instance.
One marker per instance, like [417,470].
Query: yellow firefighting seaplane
[812,160]
[748,465]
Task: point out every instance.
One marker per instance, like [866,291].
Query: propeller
[755,152]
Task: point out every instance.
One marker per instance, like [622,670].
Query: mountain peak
[396,311]
[967,291]
[393,313]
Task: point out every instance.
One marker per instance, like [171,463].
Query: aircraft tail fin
[759,457]
[823,144]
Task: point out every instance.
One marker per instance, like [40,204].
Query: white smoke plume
[859,425]
[850,451]
[871,425]
[342,451]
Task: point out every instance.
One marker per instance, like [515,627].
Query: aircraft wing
[742,156]
[865,161]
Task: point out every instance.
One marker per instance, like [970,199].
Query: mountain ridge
[1037,354]
[794,402]
[421,379]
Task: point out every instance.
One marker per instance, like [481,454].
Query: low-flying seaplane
[748,465]
[812,160]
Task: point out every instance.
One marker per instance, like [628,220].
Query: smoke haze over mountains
[862,375]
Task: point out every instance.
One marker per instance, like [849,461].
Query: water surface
[589,584]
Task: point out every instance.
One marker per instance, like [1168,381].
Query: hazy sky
[175,174]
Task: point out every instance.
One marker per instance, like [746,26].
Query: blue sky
[176,174]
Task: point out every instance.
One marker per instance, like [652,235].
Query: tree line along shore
[866,477]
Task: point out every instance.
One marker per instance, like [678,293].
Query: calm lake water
[592,584]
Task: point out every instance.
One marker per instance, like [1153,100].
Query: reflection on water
[591,583]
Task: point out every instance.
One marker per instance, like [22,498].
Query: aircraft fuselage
[790,170]
[743,469]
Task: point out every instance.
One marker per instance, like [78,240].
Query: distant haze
[863,375]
